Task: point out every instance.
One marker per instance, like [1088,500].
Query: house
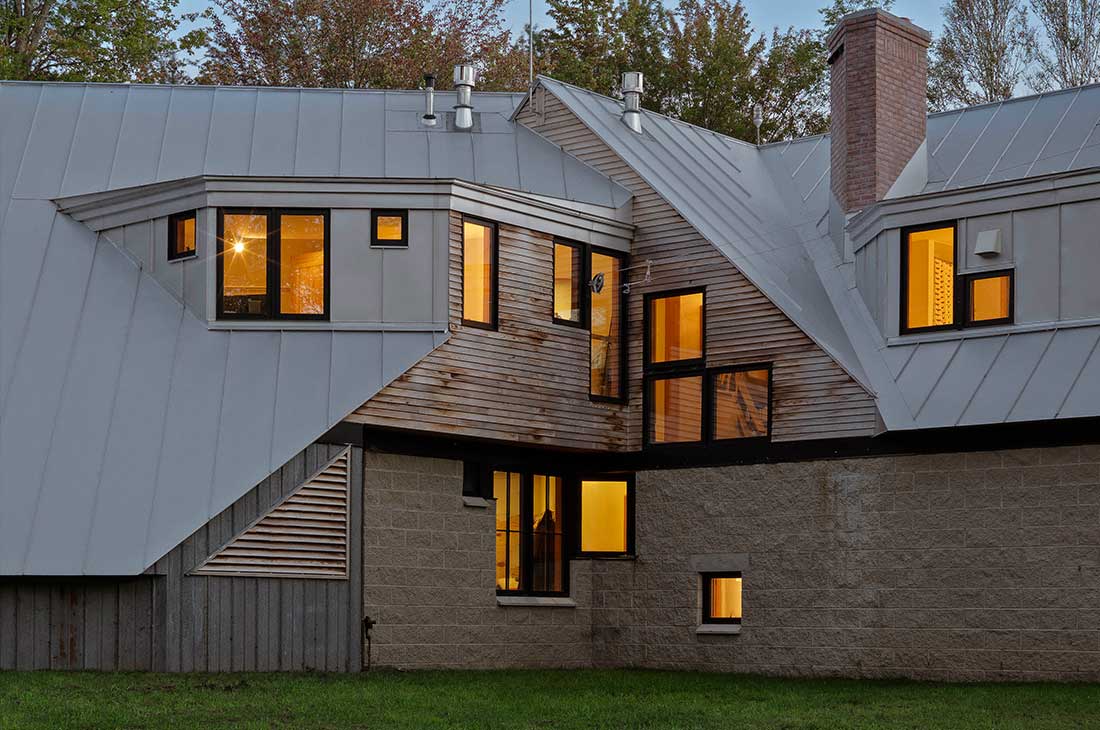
[328,379]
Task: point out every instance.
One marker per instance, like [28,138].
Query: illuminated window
[989,298]
[389,228]
[928,278]
[606,516]
[740,403]
[302,264]
[272,264]
[181,235]
[721,598]
[478,274]
[530,533]
[675,327]
[606,315]
[567,283]
[675,413]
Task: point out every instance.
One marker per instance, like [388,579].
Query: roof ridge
[1015,99]
[243,87]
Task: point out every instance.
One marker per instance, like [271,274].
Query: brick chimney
[878,99]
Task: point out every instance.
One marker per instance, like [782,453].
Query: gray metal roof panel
[968,367]
[1055,374]
[1007,377]
[923,371]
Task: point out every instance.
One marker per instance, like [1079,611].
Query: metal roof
[125,423]
[725,189]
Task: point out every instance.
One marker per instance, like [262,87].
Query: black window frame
[970,277]
[173,253]
[647,401]
[577,515]
[274,264]
[710,393]
[584,291]
[375,241]
[624,303]
[647,333]
[494,253]
[527,531]
[706,617]
[960,304]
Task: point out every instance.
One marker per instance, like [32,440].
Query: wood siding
[525,382]
[168,620]
[813,397]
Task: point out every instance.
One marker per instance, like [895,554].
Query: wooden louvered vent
[304,536]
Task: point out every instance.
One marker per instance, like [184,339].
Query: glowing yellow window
[567,283]
[244,265]
[302,264]
[929,278]
[741,401]
[675,410]
[722,598]
[676,327]
[989,298]
[478,295]
[506,491]
[181,235]
[389,228]
[605,517]
[606,346]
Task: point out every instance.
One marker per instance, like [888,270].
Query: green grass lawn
[528,699]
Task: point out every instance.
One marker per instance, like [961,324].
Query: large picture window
[479,275]
[272,264]
[935,296]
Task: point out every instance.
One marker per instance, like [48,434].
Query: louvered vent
[304,536]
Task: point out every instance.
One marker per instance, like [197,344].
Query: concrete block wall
[429,579]
[981,566]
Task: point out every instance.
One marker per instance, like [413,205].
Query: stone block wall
[429,579]
[982,566]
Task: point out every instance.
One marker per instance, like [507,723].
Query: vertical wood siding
[168,620]
[813,397]
[528,381]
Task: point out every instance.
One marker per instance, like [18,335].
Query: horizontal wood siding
[813,397]
[526,382]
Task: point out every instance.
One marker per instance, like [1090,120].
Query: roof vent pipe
[465,75]
[633,86]
[428,120]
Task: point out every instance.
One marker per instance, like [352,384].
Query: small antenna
[757,120]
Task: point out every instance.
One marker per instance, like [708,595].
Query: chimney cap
[873,15]
[465,74]
[429,81]
[633,82]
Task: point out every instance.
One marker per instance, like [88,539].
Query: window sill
[477,502]
[536,602]
[717,629]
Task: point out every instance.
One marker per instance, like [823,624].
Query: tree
[792,86]
[93,40]
[358,43]
[1072,53]
[831,14]
[983,54]
[583,46]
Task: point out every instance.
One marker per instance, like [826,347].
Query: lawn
[528,699]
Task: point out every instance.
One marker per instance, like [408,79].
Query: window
[721,598]
[741,405]
[389,228]
[989,298]
[479,278]
[608,361]
[676,409]
[675,331]
[934,297]
[606,517]
[181,235]
[568,271]
[273,264]
[530,533]
[928,278]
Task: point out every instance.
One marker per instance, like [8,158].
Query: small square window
[675,328]
[721,598]
[389,228]
[675,410]
[989,298]
[606,516]
[181,235]
[741,403]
